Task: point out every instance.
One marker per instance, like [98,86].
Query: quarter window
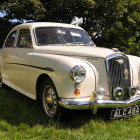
[24,40]
[11,39]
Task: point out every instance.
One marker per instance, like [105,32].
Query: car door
[8,47]
[18,58]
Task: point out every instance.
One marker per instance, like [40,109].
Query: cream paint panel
[135,65]
[4,68]
[79,51]
[21,90]
[48,24]
[15,69]
[99,64]
[18,69]
[96,73]
[61,75]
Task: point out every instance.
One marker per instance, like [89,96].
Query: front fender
[62,66]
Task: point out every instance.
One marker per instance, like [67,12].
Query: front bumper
[94,104]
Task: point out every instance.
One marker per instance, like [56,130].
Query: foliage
[110,23]
[21,119]
[22,10]
[5,28]
[119,25]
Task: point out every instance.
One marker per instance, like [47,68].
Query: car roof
[48,24]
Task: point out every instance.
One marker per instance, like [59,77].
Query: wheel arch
[40,80]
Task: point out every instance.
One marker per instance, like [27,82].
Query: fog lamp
[118,93]
[100,93]
[132,91]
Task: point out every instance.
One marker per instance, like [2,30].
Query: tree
[5,28]
[117,24]
[110,23]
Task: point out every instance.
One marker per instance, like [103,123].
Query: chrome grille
[118,70]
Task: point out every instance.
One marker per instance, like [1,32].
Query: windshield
[62,36]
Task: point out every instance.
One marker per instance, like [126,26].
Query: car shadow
[16,108]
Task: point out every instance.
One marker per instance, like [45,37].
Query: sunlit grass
[21,119]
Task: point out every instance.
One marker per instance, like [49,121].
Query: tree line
[110,23]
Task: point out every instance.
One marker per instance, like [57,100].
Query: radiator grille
[119,73]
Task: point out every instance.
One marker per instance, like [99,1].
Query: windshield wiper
[83,44]
[80,43]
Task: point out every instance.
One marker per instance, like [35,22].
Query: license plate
[119,113]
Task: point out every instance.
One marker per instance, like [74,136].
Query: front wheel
[49,99]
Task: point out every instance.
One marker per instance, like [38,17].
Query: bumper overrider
[94,104]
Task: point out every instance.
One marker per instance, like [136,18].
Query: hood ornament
[115,49]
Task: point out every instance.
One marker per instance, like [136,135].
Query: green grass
[22,119]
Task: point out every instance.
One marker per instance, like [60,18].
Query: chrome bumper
[94,104]
[79,104]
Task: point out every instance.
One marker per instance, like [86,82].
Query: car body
[61,66]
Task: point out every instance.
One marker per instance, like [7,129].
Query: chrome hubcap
[49,100]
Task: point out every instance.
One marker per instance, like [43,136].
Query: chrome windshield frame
[64,44]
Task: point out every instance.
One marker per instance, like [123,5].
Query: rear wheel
[49,99]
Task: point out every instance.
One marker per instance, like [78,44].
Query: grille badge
[126,73]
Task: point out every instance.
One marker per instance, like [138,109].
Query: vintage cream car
[59,65]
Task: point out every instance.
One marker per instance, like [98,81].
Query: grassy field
[21,119]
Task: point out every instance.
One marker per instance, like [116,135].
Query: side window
[24,39]
[11,39]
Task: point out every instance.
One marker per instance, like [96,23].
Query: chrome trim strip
[42,68]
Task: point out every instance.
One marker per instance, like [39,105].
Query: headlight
[78,73]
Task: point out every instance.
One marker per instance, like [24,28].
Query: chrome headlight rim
[118,93]
[132,91]
[81,71]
